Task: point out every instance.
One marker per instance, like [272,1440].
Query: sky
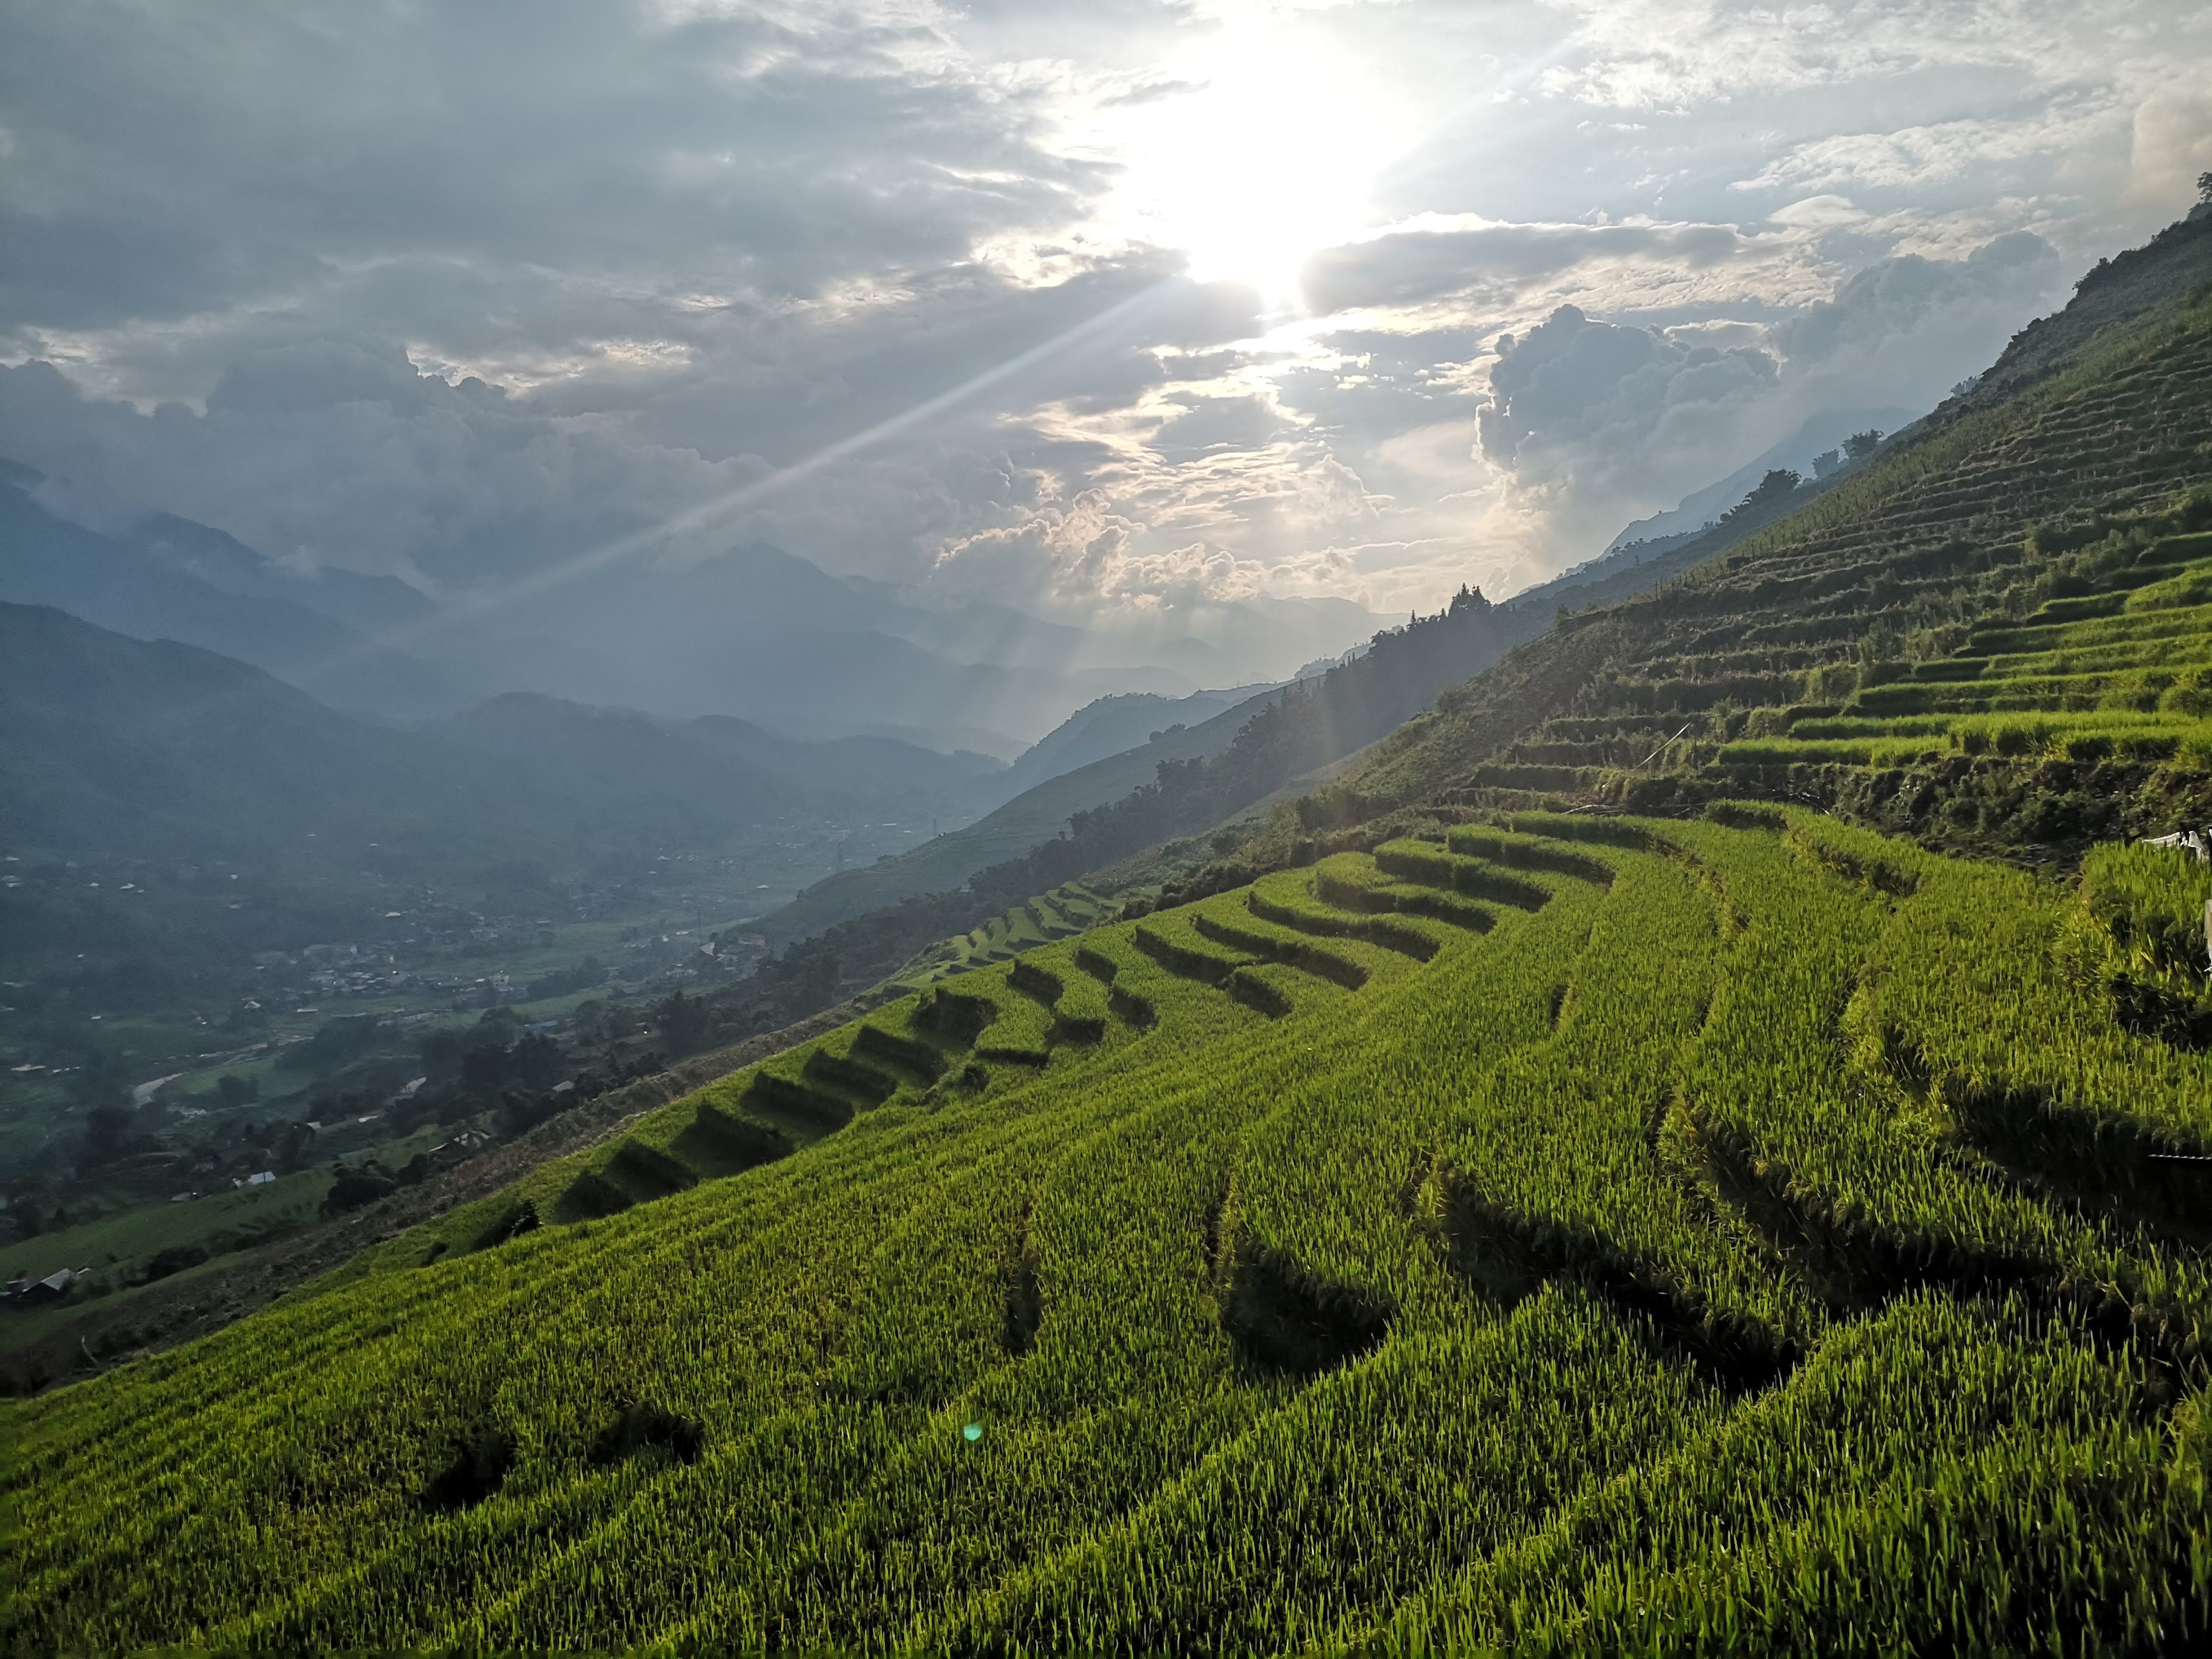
[1086,306]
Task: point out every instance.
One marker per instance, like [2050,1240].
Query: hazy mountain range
[234,749]
[756,633]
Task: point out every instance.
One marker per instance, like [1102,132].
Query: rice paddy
[1571,1235]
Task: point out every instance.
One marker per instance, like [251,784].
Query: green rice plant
[1081,1013]
[1270,944]
[1526,851]
[2192,585]
[1606,831]
[1760,1246]
[865,1083]
[1033,981]
[1938,1478]
[2152,902]
[875,1043]
[1167,942]
[1425,864]
[1289,903]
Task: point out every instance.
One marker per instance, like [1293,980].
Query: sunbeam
[473,607]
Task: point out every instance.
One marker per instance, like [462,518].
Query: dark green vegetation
[1047,916]
[366,1108]
[1704,1238]
[1441,1223]
[1177,785]
[201,866]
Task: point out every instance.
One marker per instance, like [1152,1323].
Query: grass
[1060,914]
[1745,1240]
[2129,686]
[124,1241]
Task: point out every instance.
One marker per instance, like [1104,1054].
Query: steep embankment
[1504,1240]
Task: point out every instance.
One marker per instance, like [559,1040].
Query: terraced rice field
[2122,671]
[1600,1236]
[2032,583]
[1064,911]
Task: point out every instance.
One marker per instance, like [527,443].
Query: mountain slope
[112,746]
[1007,832]
[1479,1244]
[1965,518]
[1115,726]
[1801,452]
[135,587]
[734,768]
[1178,784]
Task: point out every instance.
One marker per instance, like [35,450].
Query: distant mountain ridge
[1178,782]
[115,746]
[1115,725]
[755,632]
[1017,828]
[158,588]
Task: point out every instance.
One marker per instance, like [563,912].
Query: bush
[354,1186]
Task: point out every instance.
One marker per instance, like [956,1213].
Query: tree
[1468,598]
[351,1188]
[1777,486]
[293,1146]
[1860,445]
[2204,188]
[683,1020]
[109,1134]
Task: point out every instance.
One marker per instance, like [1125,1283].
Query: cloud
[1587,419]
[1914,157]
[1575,394]
[497,182]
[1085,552]
[463,292]
[1663,54]
[2172,145]
[342,454]
[1904,304]
[1431,259]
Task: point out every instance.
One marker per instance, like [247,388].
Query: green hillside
[1703,1238]
[1064,911]
[1989,639]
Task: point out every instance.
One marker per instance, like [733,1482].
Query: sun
[1267,151]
